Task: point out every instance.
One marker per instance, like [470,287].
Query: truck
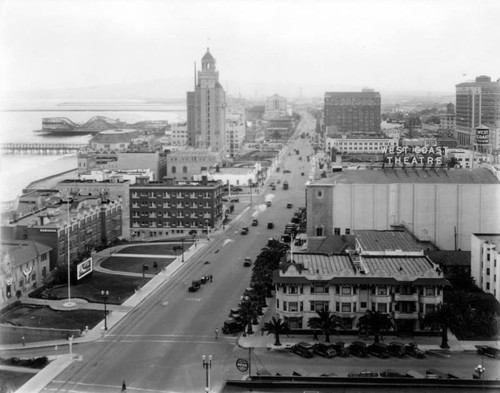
[285,185]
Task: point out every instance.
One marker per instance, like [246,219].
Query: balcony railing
[405,315]
[406,298]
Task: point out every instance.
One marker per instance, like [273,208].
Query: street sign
[242,365]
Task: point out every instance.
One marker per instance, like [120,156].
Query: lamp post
[480,370]
[105,297]
[207,365]
[182,240]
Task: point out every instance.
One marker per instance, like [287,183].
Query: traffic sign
[242,365]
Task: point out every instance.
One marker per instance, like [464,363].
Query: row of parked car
[359,349]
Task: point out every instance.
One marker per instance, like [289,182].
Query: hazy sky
[383,44]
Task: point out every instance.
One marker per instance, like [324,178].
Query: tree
[276,327]
[444,317]
[327,322]
[375,322]
[249,313]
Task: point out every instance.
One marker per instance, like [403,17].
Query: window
[319,193]
[487,271]
[347,231]
[184,169]
[319,287]
[429,291]
[319,231]
[382,291]
[430,308]
[488,285]
[336,231]
[362,305]
[173,169]
[382,307]
[293,306]
[278,304]
[319,305]
[293,289]
[346,307]
[346,290]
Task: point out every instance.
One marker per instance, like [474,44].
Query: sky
[309,46]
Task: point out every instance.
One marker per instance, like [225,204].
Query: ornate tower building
[206,109]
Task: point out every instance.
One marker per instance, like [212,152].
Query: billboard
[482,136]
[84,268]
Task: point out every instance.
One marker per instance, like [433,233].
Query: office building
[352,112]
[276,107]
[170,208]
[477,103]
[206,109]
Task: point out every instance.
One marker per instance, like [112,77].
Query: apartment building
[485,262]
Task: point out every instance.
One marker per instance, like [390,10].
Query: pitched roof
[22,251]
[331,244]
[373,240]
[208,55]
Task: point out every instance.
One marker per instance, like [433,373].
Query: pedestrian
[23,341]
[216,334]
[211,278]
[124,386]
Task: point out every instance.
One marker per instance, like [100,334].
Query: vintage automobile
[231,325]
[486,350]
[195,285]
[327,351]
[247,262]
[358,348]
[397,349]
[340,348]
[380,350]
[303,349]
[412,349]
[244,230]
[255,222]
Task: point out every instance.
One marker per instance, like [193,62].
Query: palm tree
[249,313]
[443,317]
[276,327]
[326,322]
[375,322]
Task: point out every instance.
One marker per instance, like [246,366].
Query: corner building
[206,109]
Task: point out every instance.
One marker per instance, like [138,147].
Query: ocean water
[19,118]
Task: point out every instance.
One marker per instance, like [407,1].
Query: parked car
[269,203]
[270,225]
[412,349]
[486,350]
[247,262]
[231,325]
[327,351]
[234,311]
[195,285]
[380,350]
[397,349]
[358,348]
[341,349]
[289,205]
[303,349]
[244,230]
[255,222]
[287,171]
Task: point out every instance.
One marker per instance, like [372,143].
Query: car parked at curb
[327,351]
[397,349]
[303,349]
[380,350]
[358,348]
[486,350]
[340,348]
[412,349]
[231,325]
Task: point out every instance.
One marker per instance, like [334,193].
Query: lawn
[11,381]
[156,249]
[134,265]
[45,317]
[120,288]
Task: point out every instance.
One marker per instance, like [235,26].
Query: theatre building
[440,206]
[405,287]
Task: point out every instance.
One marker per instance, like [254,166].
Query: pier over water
[41,148]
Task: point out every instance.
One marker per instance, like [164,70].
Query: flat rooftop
[430,176]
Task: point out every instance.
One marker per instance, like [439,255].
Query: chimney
[204,180]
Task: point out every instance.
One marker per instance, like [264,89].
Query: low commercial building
[170,208]
[25,264]
[405,287]
[485,262]
[184,164]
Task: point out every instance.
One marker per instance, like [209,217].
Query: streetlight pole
[105,297]
[207,365]
[182,240]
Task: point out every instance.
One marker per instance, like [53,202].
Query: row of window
[321,287]
[346,307]
[168,195]
[170,214]
[157,224]
[167,205]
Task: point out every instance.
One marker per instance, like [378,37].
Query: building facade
[405,287]
[477,103]
[161,209]
[235,133]
[25,264]
[89,221]
[440,206]
[185,164]
[360,144]
[206,109]
[276,107]
[352,112]
[485,262]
